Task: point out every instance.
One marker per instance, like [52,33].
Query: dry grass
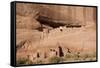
[80,57]
[69,57]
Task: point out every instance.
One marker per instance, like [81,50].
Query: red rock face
[78,33]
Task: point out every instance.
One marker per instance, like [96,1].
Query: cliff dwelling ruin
[46,32]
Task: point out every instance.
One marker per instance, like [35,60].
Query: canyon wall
[30,41]
[69,14]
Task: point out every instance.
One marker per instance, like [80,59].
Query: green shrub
[68,56]
[22,61]
[39,62]
[55,59]
[71,56]
[76,56]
